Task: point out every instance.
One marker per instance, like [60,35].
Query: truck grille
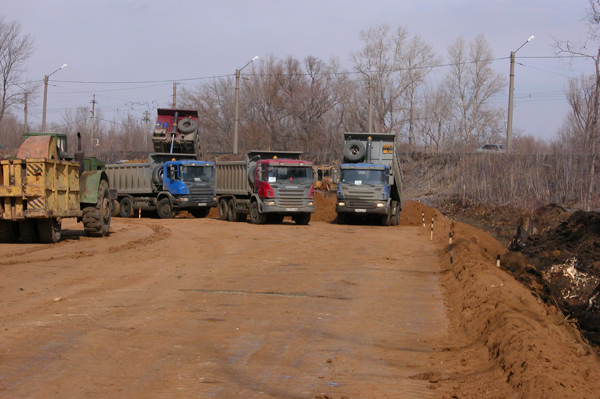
[201,194]
[292,198]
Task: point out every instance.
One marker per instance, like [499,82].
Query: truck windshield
[362,176]
[197,173]
[296,174]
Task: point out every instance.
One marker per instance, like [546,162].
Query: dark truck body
[268,186]
[166,183]
[370,178]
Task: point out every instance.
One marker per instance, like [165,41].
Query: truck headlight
[341,204]
[183,199]
[380,204]
[269,203]
[310,203]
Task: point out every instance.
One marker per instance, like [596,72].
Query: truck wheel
[223,209]
[397,216]
[200,212]
[232,214]
[28,231]
[303,219]
[354,150]
[49,230]
[386,220]
[165,208]
[116,208]
[255,216]
[9,231]
[96,219]
[126,207]
[186,125]
[341,218]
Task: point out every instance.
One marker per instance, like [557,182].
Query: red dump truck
[268,186]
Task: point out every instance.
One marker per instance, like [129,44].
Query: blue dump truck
[167,184]
[370,179]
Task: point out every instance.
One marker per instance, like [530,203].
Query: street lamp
[46,96]
[511,88]
[237,102]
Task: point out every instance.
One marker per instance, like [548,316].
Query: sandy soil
[204,308]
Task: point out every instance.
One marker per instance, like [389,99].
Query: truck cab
[187,185]
[284,185]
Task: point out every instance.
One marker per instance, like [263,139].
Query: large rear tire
[223,209]
[126,208]
[49,230]
[96,219]
[232,214]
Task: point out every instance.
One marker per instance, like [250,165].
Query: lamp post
[237,106]
[511,88]
[46,96]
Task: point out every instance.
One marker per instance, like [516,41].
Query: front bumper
[364,208]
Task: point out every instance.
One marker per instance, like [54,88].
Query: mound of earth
[503,342]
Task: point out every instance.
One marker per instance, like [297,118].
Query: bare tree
[470,84]
[15,50]
[393,65]
[584,95]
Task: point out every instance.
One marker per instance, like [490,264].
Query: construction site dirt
[185,308]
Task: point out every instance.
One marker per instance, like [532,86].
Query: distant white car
[494,148]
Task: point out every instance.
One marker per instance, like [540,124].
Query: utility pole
[146,120]
[236,117]
[25,116]
[93,117]
[175,94]
[511,89]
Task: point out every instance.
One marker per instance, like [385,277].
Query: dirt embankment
[505,342]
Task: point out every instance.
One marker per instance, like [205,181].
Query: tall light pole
[236,118]
[511,89]
[46,96]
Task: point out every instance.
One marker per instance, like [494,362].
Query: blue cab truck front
[363,189]
[191,183]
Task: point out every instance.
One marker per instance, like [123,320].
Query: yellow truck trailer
[37,190]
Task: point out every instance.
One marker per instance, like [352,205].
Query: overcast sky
[177,40]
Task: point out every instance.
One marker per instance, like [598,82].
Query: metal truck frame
[252,187]
[370,178]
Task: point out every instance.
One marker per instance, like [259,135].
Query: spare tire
[354,151]
[186,125]
[157,174]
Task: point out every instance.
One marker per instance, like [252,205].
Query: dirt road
[189,308]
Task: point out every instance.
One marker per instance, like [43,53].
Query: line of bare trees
[397,84]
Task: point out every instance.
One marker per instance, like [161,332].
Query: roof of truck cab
[363,166]
[287,161]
